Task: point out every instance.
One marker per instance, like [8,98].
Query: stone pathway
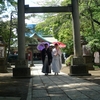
[61,87]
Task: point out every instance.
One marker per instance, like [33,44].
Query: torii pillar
[21,67]
[78,67]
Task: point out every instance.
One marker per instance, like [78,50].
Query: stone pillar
[78,67]
[21,67]
[76,29]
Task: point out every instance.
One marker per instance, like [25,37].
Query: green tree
[60,25]
[5,25]
[89,20]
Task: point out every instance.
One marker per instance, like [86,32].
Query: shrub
[68,60]
[94,45]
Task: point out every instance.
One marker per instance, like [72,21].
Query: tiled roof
[40,38]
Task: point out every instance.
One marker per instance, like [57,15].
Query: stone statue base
[21,69]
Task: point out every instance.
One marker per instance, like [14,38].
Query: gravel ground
[11,87]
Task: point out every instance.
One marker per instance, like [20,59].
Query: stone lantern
[3,67]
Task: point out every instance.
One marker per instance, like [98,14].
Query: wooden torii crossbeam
[57,9]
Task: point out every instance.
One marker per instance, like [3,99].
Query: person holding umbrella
[46,59]
[56,60]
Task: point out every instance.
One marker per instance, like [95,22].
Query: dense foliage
[8,21]
[60,25]
[5,25]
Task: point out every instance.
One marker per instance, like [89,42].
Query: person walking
[56,59]
[46,59]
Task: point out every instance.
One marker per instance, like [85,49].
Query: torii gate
[21,68]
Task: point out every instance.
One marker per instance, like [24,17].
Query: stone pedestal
[77,60]
[78,68]
[21,69]
[3,66]
[88,60]
[21,72]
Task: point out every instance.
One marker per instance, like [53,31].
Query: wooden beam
[57,9]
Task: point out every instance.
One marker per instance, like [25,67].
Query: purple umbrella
[41,45]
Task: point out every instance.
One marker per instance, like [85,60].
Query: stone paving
[60,87]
